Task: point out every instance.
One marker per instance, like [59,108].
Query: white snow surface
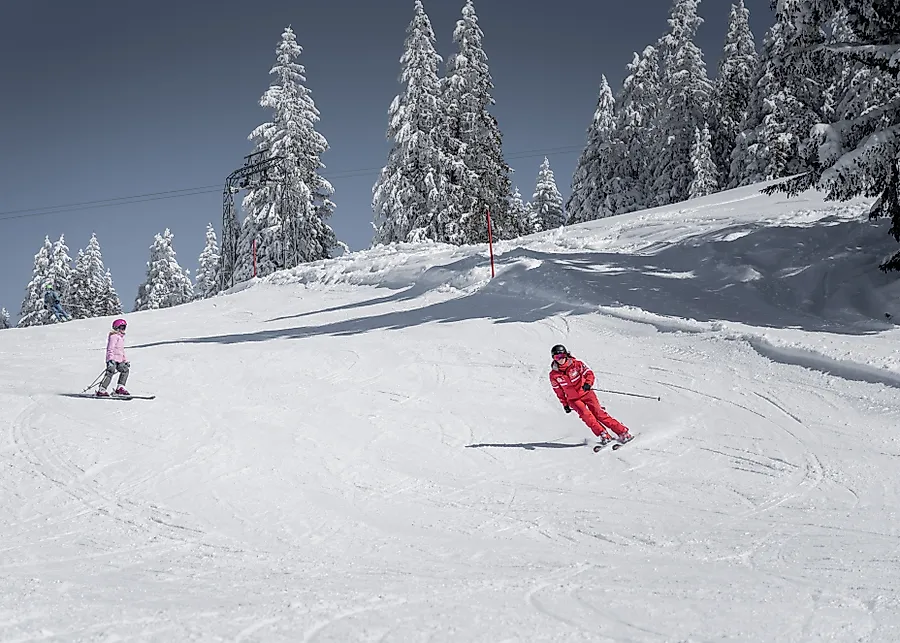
[368,448]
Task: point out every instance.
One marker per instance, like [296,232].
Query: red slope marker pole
[490,241]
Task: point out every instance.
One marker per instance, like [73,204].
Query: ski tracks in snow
[346,506]
[820,497]
[74,491]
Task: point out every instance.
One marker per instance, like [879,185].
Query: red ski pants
[595,416]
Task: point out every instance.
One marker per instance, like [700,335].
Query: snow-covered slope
[368,449]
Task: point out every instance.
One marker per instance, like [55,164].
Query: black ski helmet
[558,349]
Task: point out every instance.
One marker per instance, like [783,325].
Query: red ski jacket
[567,381]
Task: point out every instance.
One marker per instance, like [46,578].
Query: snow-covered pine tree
[858,86]
[454,190]
[287,217]
[859,155]
[839,78]
[594,172]
[98,273]
[706,174]
[59,272]
[4,319]
[687,91]
[534,218]
[473,146]
[88,282]
[80,299]
[732,87]
[526,223]
[207,276]
[547,202]
[167,284]
[788,97]
[636,125]
[33,311]
[407,196]
[855,87]
[109,303]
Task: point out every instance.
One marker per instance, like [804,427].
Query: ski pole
[95,382]
[648,397]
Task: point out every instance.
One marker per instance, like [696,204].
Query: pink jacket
[115,347]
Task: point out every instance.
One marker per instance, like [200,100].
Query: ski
[619,445]
[112,397]
[615,445]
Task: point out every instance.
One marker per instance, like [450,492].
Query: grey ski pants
[111,368]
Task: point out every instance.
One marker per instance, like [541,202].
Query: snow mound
[782,270]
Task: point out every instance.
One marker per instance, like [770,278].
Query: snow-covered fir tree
[109,303]
[533,217]
[4,319]
[547,202]
[478,176]
[88,282]
[595,171]
[33,311]
[207,276]
[407,198]
[59,272]
[737,68]
[287,218]
[838,32]
[636,126]
[167,284]
[706,174]
[686,93]
[787,98]
[80,306]
[858,155]
[856,86]
[524,217]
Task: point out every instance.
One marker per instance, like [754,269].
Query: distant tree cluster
[671,133]
[84,287]
[445,171]
[285,217]
[847,52]
[820,104]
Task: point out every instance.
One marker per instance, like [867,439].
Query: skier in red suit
[572,381]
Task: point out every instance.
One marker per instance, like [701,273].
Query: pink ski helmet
[119,323]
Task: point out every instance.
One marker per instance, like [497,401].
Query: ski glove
[586,387]
[567,408]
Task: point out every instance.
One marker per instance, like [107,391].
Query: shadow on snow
[818,277]
[529,446]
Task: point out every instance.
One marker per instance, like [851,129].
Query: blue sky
[108,99]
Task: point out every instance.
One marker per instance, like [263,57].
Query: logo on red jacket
[573,373]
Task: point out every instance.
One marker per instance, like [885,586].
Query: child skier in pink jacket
[115,360]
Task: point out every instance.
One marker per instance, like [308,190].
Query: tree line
[817,107]
[85,287]
[820,103]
